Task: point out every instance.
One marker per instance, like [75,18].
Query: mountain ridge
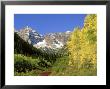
[50,40]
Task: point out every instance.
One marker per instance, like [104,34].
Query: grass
[61,68]
[28,66]
[25,66]
[28,73]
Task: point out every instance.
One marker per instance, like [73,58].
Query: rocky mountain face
[50,40]
[57,39]
[30,36]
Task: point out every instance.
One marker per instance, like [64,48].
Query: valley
[70,53]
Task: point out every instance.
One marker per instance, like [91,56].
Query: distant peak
[27,28]
[68,31]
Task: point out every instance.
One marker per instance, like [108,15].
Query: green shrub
[28,73]
[24,64]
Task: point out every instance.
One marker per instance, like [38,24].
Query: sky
[49,23]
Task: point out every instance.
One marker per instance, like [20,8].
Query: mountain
[23,47]
[30,36]
[57,40]
[50,40]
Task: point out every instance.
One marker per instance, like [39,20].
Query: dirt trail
[45,73]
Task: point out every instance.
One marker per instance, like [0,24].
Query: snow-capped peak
[28,28]
[30,35]
[68,31]
[50,40]
[33,31]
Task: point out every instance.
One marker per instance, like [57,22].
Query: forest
[77,58]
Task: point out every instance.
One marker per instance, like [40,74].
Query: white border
[100,79]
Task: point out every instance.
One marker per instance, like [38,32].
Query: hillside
[29,58]
[23,47]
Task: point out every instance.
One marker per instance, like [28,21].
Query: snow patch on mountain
[40,44]
[68,32]
[50,40]
[59,44]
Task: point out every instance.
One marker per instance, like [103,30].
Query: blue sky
[48,23]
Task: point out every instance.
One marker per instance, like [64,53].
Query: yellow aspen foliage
[74,48]
[82,45]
